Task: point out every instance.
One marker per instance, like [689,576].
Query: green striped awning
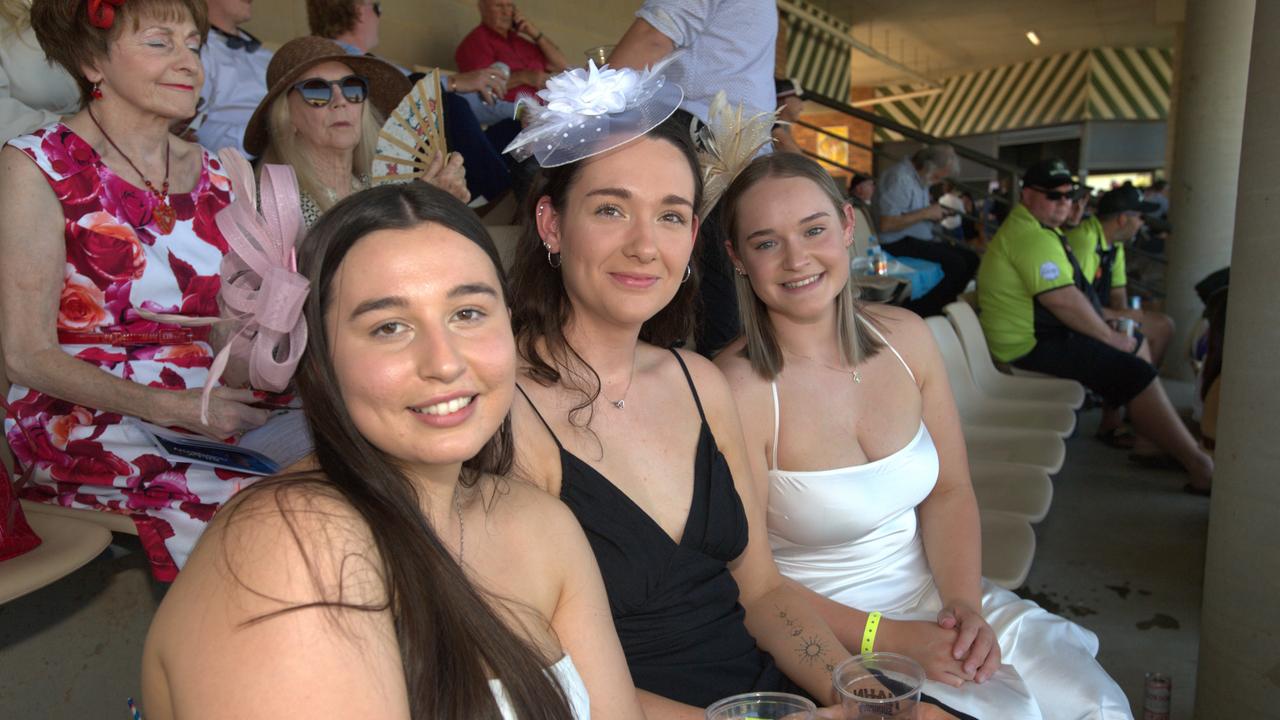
[1098,84]
[819,51]
[1130,83]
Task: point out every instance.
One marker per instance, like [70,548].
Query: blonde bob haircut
[285,147]
[857,343]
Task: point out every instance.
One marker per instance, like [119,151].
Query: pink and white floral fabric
[117,261]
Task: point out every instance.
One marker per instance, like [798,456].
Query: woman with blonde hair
[848,413]
[321,116]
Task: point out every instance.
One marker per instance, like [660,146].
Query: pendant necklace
[162,212]
[852,373]
[621,403]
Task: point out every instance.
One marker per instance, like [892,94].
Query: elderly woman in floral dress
[105,215]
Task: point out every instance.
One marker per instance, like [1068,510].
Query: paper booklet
[266,450]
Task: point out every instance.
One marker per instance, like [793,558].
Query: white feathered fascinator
[726,143]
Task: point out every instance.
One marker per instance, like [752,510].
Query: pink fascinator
[262,292]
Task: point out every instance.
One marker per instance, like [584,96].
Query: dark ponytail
[451,640]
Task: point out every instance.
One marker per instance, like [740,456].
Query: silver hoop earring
[553,259]
[688,272]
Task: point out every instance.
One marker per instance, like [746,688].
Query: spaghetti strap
[545,424]
[692,389]
[892,349]
[777,425]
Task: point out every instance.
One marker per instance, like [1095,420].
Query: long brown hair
[544,306]
[451,640]
[857,344]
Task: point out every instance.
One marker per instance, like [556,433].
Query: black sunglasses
[1056,195]
[318,92]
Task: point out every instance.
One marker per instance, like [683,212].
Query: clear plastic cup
[879,686]
[763,706]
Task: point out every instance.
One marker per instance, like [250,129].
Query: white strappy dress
[852,534]
[565,673]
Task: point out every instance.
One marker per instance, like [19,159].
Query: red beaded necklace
[163,211]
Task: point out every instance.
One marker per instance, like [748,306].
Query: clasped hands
[960,647]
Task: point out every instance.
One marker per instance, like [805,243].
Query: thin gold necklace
[851,372]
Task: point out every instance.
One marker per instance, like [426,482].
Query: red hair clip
[102,13]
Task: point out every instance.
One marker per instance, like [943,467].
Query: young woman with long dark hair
[874,511]
[404,577]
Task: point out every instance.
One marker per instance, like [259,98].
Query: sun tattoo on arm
[809,648]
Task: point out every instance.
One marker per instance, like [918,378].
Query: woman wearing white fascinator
[639,439]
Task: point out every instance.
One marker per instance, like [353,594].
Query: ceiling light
[1033,38]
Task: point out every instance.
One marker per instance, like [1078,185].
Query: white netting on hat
[589,111]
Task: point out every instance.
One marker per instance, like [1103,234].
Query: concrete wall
[422,32]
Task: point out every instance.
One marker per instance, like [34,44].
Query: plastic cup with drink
[763,706]
[879,686]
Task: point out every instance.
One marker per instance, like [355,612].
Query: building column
[1206,162]
[1239,667]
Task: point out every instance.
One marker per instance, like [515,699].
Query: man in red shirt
[505,35]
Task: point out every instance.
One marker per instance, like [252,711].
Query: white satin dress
[852,534]
[565,673]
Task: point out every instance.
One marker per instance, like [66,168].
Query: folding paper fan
[412,134]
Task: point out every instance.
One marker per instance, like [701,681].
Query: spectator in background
[235,71]
[1039,313]
[1157,193]
[321,117]
[33,91]
[790,106]
[907,222]
[354,25]
[505,35]
[84,248]
[727,45]
[950,200]
[866,228]
[1098,243]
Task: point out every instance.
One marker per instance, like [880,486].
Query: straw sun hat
[387,85]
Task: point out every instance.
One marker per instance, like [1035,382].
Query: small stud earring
[740,271]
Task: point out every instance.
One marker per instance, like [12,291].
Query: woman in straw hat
[315,118]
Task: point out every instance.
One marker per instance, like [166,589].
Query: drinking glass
[763,706]
[879,685]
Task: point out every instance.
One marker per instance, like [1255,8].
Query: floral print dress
[118,259]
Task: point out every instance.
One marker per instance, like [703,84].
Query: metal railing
[1002,168]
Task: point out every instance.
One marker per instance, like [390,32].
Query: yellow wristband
[869,634]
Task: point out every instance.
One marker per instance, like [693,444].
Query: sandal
[1120,437]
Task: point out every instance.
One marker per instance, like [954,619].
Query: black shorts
[1116,375]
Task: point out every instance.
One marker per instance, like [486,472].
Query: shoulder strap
[777,425]
[892,349]
[689,379]
[543,420]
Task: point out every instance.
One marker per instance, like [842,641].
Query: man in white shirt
[235,76]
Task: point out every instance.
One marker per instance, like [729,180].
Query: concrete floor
[1121,552]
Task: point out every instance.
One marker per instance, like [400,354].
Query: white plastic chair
[67,545]
[1008,548]
[1040,448]
[1022,386]
[113,522]
[978,408]
[1023,490]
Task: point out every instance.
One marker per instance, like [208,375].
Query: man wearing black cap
[1040,313]
[1098,244]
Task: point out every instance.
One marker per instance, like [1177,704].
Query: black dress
[675,605]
